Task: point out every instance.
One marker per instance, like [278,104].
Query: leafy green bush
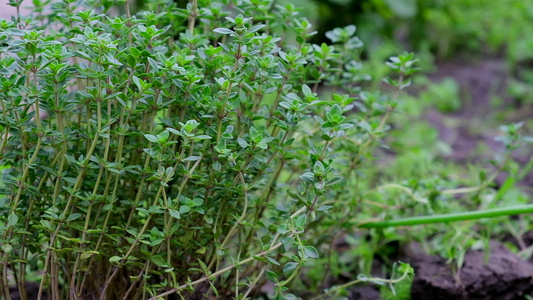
[178,150]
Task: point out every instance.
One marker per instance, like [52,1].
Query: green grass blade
[453,217]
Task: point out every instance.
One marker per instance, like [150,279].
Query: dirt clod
[503,277]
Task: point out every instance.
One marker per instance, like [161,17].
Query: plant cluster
[201,152]
[178,150]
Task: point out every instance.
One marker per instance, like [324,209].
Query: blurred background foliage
[443,27]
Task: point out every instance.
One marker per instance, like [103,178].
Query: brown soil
[497,275]
[478,83]
[503,277]
[32,290]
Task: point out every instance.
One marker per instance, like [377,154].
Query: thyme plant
[182,151]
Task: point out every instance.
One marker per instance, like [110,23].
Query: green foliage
[184,150]
[203,151]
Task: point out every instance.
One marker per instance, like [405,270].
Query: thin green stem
[132,247]
[356,281]
[452,217]
[91,205]
[15,202]
[291,277]
[70,200]
[193,15]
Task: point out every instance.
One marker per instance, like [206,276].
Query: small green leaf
[174,213]
[88,254]
[262,145]
[324,208]
[192,158]
[159,261]
[283,229]
[306,90]
[300,221]
[7,248]
[289,297]
[318,167]
[115,259]
[152,138]
[362,278]
[137,82]
[12,220]
[202,137]
[334,180]
[256,28]
[184,209]
[197,201]
[47,224]
[204,267]
[308,177]
[213,288]
[310,252]
[156,242]
[288,267]
[73,217]
[223,30]
[242,143]
[255,135]
[272,276]
[272,261]
[260,258]
[287,243]
[405,268]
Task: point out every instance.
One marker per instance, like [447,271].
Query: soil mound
[504,276]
